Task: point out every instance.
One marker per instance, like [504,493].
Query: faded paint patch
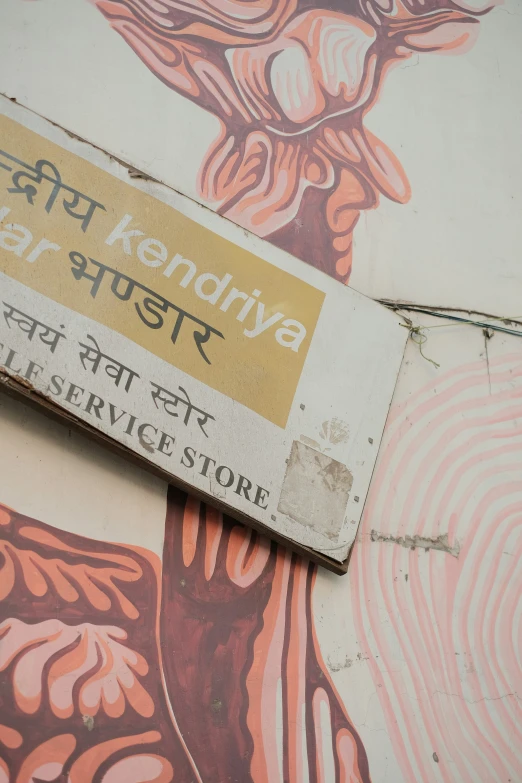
[88,722]
[336,666]
[419,542]
[315,490]
[335,431]
[336,663]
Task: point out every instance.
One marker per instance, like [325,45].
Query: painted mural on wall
[438,578]
[116,668]
[291,84]
[206,666]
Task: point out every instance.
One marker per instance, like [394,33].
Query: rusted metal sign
[223,363]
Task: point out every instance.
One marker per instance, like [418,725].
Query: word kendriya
[153,253]
[208,286]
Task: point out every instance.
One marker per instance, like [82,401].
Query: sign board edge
[19,390]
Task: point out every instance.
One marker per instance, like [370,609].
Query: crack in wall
[441,543]
[513,694]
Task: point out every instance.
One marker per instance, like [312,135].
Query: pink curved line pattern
[447,655]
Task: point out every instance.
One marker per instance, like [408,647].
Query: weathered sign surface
[220,360]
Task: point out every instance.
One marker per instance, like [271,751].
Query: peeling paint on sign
[315,490]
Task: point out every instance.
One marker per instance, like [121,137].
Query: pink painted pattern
[291,86]
[119,668]
[444,631]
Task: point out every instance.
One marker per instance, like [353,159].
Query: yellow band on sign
[80,236]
